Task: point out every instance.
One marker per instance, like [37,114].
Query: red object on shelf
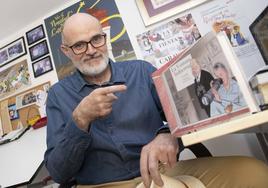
[40,123]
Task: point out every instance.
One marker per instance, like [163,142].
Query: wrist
[164,130]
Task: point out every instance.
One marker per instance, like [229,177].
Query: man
[202,83]
[105,121]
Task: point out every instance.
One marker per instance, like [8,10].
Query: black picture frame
[42,66]
[13,112]
[38,50]
[12,51]
[36,34]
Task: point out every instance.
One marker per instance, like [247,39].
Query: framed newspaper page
[153,11]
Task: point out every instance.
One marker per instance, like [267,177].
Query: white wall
[235,144]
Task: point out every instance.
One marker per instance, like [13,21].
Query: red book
[203,86]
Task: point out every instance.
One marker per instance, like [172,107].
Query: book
[203,85]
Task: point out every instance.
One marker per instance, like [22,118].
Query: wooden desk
[21,159]
[227,127]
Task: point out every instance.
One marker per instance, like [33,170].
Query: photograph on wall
[228,17]
[26,99]
[153,11]
[161,44]
[12,51]
[13,112]
[14,79]
[38,50]
[3,56]
[119,45]
[42,66]
[35,34]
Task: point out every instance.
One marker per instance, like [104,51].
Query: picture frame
[12,51]
[38,50]
[26,99]
[36,34]
[42,66]
[153,11]
[13,112]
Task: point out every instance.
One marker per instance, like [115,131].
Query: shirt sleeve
[66,143]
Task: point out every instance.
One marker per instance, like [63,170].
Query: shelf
[227,127]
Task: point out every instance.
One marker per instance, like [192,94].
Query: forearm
[64,160]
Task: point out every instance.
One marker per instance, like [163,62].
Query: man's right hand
[96,105]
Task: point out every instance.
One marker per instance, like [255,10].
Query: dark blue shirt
[110,151]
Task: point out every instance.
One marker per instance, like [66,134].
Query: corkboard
[25,113]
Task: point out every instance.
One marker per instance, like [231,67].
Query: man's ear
[64,49]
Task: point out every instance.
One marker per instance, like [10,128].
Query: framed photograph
[38,50]
[13,112]
[42,66]
[153,11]
[36,34]
[12,51]
[26,99]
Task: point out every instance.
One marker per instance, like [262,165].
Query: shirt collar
[117,77]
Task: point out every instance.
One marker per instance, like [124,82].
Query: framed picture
[42,66]
[38,50]
[36,34]
[12,51]
[153,11]
[13,112]
[26,99]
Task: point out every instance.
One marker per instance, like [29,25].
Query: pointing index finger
[113,89]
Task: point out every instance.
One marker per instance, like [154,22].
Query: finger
[153,170]
[112,89]
[164,160]
[109,98]
[105,112]
[172,158]
[106,105]
[144,168]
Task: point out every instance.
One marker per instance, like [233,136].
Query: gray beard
[96,70]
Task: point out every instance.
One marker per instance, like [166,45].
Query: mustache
[92,56]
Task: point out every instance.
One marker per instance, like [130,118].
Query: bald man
[105,123]
[202,80]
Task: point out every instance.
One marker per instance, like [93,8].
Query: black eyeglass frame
[89,42]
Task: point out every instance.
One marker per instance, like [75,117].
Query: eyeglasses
[82,46]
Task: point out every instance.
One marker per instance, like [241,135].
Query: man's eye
[97,39]
[79,45]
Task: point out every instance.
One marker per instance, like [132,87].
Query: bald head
[77,24]
[195,67]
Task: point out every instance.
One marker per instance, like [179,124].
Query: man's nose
[90,49]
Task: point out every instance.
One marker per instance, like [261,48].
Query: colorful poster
[118,42]
[14,79]
[161,44]
[227,16]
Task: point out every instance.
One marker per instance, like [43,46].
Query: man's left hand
[163,149]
